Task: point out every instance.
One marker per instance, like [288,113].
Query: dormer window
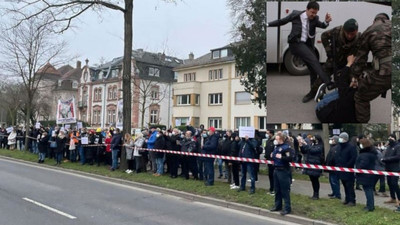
[220,53]
[215,54]
[154,72]
[74,84]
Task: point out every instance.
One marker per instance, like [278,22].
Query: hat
[350,25]
[335,138]
[393,136]
[98,130]
[211,129]
[344,135]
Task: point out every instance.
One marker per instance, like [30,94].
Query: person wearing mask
[200,160]
[83,149]
[269,148]
[366,160]
[189,162]
[128,144]
[160,144]
[313,154]
[12,140]
[174,158]
[333,176]
[380,166]
[247,149]
[139,163]
[235,164]
[108,158]
[150,145]
[43,145]
[391,160]
[61,140]
[346,155]
[210,147]
[72,147]
[116,142]
[226,148]
[282,156]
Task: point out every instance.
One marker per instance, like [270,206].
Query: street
[35,195]
[285,92]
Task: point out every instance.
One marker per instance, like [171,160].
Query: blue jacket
[247,149]
[116,141]
[287,155]
[152,140]
[366,160]
[345,156]
[211,145]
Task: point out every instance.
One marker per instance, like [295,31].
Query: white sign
[37,125]
[9,130]
[247,131]
[66,111]
[79,125]
[336,131]
[120,117]
[85,140]
[177,123]
[67,126]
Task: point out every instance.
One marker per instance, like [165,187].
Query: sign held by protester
[66,111]
[247,131]
[85,140]
[79,125]
[37,125]
[120,114]
[9,130]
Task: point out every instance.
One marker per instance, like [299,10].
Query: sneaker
[397,210]
[234,187]
[320,93]
[272,193]
[231,185]
[249,180]
[307,98]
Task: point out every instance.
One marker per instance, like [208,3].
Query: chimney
[163,57]
[78,64]
[140,50]
[191,56]
[87,62]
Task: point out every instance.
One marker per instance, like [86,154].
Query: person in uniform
[282,156]
[377,38]
[302,38]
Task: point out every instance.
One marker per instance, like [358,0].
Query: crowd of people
[105,146]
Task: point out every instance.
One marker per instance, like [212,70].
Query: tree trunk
[27,127]
[143,111]
[126,77]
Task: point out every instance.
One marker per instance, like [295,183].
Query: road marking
[49,208]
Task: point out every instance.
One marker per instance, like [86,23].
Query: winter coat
[330,158]
[152,140]
[366,160]
[286,156]
[43,144]
[211,144]
[129,149]
[188,145]
[160,144]
[312,155]
[61,141]
[116,142]
[269,148]
[247,149]
[174,145]
[392,157]
[138,144]
[12,138]
[108,144]
[226,146]
[346,155]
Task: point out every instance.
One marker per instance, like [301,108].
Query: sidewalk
[304,187]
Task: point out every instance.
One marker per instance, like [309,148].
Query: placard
[336,131]
[37,125]
[67,126]
[247,131]
[9,130]
[177,122]
[85,140]
[79,125]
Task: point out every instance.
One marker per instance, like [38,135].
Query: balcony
[82,104]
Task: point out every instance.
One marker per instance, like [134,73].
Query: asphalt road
[285,92]
[36,195]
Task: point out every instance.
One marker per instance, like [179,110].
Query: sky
[176,29]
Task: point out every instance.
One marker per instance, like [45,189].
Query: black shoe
[313,198]
[284,212]
[345,203]
[320,93]
[275,209]
[240,189]
[220,176]
[358,188]
[351,204]
[331,195]
[307,97]
[252,192]
[334,197]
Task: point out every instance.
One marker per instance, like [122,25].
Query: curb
[187,196]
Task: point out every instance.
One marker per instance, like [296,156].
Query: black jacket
[392,157]
[312,155]
[330,158]
[366,160]
[346,155]
[173,140]
[43,144]
[160,144]
[116,142]
[295,33]
[60,144]
[269,148]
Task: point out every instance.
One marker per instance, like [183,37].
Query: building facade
[208,92]
[100,91]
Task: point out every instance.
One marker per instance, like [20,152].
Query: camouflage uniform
[343,49]
[377,39]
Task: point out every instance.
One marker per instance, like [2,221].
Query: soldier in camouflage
[378,39]
[339,43]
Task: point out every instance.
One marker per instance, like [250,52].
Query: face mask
[158,135]
[224,138]
[361,146]
[170,134]
[330,142]
[276,142]
[208,133]
[341,140]
[391,141]
[204,135]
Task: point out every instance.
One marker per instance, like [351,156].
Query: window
[155,93]
[74,84]
[224,53]
[181,121]
[111,116]
[114,92]
[154,72]
[215,99]
[237,74]
[154,116]
[220,53]
[183,100]
[242,122]
[175,76]
[215,54]
[188,77]
[215,74]
[84,95]
[242,98]
[97,94]
[114,73]
[96,116]
[84,117]
[215,122]
[262,122]
[197,100]
[110,90]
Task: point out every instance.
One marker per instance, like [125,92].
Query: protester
[189,162]
[12,139]
[391,160]
[61,140]
[159,144]
[210,147]
[247,149]
[72,147]
[139,162]
[116,142]
[235,164]
[333,175]
[43,145]
[128,145]
[174,158]
[150,145]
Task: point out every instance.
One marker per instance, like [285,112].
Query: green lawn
[324,209]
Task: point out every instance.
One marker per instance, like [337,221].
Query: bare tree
[10,100]
[25,49]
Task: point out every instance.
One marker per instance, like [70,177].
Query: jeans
[72,155]
[235,173]
[220,163]
[209,171]
[393,187]
[160,165]
[332,96]
[246,166]
[350,195]
[282,188]
[369,194]
[114,153]
[42,156]
[59,156]
[271,169]
[201,167]
[35,147]
[335,185]
[82,154]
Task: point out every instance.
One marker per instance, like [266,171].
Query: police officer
[339,43]
[377,38]
[282,156]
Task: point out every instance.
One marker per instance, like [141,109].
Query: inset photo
[327,62]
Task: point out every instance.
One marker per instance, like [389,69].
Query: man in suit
[301,41]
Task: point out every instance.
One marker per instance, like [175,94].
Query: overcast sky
[178,29]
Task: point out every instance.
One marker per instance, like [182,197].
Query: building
[100,91]
[209,92]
